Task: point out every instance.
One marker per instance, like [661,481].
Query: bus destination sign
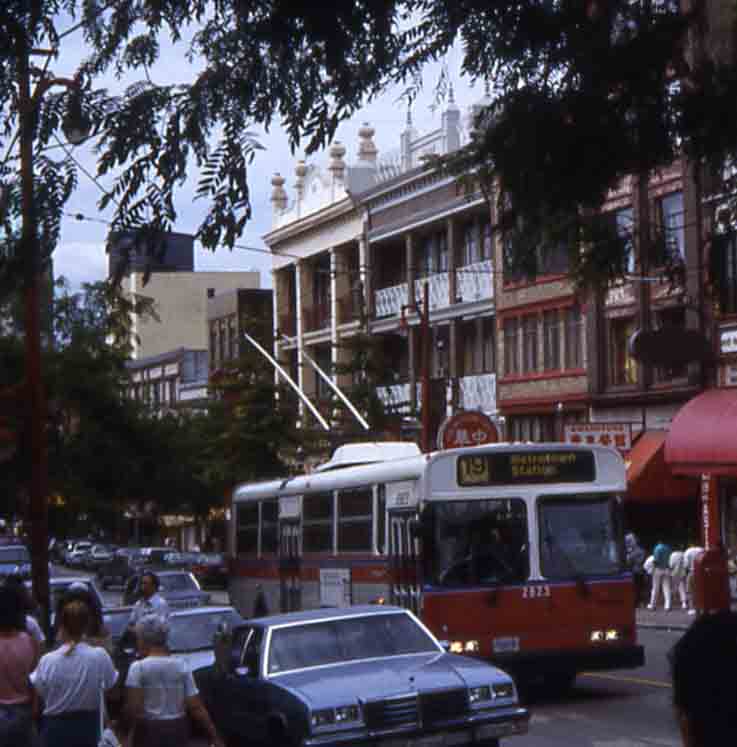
[525,468]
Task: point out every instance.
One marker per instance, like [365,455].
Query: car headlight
[479,694]
[347,713]
[503,690]
[325,717]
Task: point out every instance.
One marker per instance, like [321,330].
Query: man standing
[661,576]
[677,565]
[150,603]
[689,563]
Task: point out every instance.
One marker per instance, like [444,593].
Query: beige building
[180,303]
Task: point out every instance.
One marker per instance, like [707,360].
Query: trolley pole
[425,327]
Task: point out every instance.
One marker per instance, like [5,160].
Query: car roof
[324,613]
[205,609]
[13,547]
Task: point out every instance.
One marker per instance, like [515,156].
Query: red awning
[648,476]
[703,436]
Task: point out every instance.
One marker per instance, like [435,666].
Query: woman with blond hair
[70,681]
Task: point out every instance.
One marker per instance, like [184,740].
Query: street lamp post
[76,129]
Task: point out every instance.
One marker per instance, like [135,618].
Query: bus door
[290,562]
[404,561]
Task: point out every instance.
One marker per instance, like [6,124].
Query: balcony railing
[288,324]
[475,282]
[389,301]
[316,317]
[478,392]
[395,398]
[439,291]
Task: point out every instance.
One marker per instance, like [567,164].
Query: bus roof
[413,468]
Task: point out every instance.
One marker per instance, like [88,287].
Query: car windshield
[578,537]
[350,639]
[178,582]
[195,632]
[14,555]
[210,559]
[479,542]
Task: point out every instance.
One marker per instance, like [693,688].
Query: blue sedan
[369,675]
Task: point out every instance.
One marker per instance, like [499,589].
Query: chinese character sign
[615,435]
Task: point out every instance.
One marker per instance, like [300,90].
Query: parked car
[179,588]
[155,555]
[191,635]
[15,559]
[360,676]
[98,555]
[211,570]
[181,560]
[121,566]
[59,585]
[75,559]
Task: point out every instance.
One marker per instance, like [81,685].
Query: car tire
[277,731]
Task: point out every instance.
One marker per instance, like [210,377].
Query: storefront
[702,442]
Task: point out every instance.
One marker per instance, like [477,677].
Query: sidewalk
[659,619]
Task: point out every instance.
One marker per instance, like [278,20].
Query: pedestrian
[160,692]
[635,560]
[661,576]
[677,565]
[150,603]
[703,666]
[689,560]
[18,658]
[97,633]
[72,681]
[29,606]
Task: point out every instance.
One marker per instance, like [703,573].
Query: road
[611,709]
[628,708]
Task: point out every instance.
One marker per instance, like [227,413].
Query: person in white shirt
[689,562]
[161,695]
[71,682]
[677,565]
[150,603]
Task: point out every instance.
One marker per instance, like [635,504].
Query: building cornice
[309,223]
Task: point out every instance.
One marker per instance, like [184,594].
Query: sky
[80,257]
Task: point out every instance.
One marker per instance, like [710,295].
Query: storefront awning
[703,436]
[649,479]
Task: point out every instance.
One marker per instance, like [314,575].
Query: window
[317,522]
[214,342]
[529,344]
[221,340]
[672,224]
[172,391]
[479,543]
[673,317]
[724,271]
[488,345]
[622,366]
[470,244]
[511,354]
[578,537]
[553,260]
[535,428]
[432,256]
[232,338]
[574,338]
[247,528]
[486,243]
[551,341]
[269,526]
[355,520]
[624,223]
[442,247]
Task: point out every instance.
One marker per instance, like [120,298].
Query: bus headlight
[471,647]
[612,635]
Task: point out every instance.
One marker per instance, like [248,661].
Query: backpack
[661,555]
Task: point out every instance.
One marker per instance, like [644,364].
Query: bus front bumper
[535,663]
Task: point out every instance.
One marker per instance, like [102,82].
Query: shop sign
[290,507]
[335,587]
[615,435]
[728,341]
[469,428]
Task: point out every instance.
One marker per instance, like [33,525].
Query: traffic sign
[468,428]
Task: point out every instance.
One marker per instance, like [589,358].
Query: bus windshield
[479,542]
[578,537]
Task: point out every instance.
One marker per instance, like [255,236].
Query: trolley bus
[510,552]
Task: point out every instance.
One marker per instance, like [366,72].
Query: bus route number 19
[539,591]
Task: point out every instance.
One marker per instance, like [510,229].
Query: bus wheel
[559,683]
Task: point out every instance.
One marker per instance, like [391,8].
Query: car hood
[13,566]
[382,678]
